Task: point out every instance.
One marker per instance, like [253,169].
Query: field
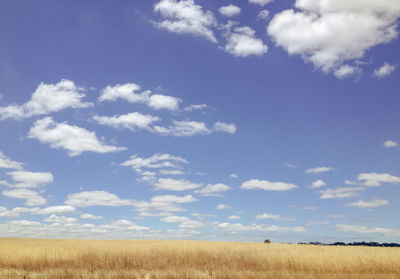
[40,258]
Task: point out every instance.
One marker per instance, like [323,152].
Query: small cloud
[195,107]
[317,184]
[376,179]
[234,217]
[336,216]
[90,216]
[369,204]
[263,14]
[289,165]
[266,185]
[384,71]
[346,71]
[242,42]
[318,170]
[212,189]
[233,175]
[389,144]
[223,206]
[171,184]
[338,193]
[260,2]
[225,127]
[274,217]
[229,11]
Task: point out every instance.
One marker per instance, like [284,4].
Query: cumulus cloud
[346,71]
[129,121]
[224,127]
[385,70]
[389,144]
[195,107]
[15,212]
[242,42]
[343,192]
[369,204]
[32,198]
[236,227]
[171,184]
[183,129]
[7,163]
[318,170]
[27,179]
[233,175]
[263,14]
[156,161]
[318,31]
[274,217]
[163,205]
[212,189]
[96,198]
[266,185]
[90,216]
[46,99]
[234,217]
[59,219]
[260,2]
[185,17]
[72,138]
[128,93]
[317,184]
[376,179]
[367,230]
[223,206]
[229,10]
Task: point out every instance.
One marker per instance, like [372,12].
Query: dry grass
[53,259]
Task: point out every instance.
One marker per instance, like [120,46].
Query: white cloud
[344,192]
[185,17]
[318,170]
[128,121]
[242,42]
[212,189]
[46,99]
[376,179]
[16,211]
[157,161]
[274,217]
[59,219]
[346,71]
[263,14]
[262,228]
[369,204]
[127,92]
[233,175]
[96,198]
[290,165]
[385,70]
[234,217]
[318,31]
[90,216]
[267,185]
[183,129]
[367,230]
[224,127]
[24,223]
[171,184]
[336,216]
[27,179]
[6,163]
[317,184]
[162,205]
[72,138]
[390,144]
[260,2]
[223,206]
[59,209]
[32,198]
[195,107]
[229,11]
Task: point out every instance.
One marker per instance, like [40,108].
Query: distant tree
[267,241]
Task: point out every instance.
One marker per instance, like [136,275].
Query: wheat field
[153,259]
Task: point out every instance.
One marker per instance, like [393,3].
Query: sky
[197,119]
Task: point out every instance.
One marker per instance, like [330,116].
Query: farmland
[55,258]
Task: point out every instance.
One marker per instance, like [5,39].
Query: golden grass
[153,259]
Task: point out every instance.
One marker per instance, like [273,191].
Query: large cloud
[330,32]
[46,99]
[185,17]
[72,138]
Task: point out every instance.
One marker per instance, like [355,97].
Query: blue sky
[211,120]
